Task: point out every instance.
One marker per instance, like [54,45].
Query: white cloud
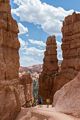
[29,61]
[22,43]
[22,29]
[33,51]
[30,55]
[48,17]
[59,51]
[37,42]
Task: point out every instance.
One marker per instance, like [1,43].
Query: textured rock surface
[27,89]
[9,103]
[9,44]
[43,113]
[71,50]
[67,99]
[21,94]
[9,63]
[50,68]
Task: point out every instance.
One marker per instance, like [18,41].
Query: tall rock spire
[9,63]
[50,68]
[9,44]
[71,50]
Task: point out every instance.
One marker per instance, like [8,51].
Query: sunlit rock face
[67,99]
[71,51]
[9,44]
[50,68]
[9,103]
[9,63]
[26,89]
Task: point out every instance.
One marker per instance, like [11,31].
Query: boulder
[67,99]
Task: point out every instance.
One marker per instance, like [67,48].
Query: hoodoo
[9,63]
[71,50]
[50,68]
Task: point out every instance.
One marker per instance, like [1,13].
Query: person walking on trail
[40,101]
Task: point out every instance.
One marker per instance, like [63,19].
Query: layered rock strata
[26,89]
[9,44]
[9,63]
[50,68]
[71,51]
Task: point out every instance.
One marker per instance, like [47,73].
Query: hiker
[40,101]
[48,102]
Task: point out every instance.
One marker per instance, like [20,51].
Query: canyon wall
[9,63]
[51,79]
[71,51]
[9,44]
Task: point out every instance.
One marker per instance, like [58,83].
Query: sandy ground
[43,113]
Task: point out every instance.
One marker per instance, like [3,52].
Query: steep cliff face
[71,50]
[50,68]
[9,44]
[49,81]
[9,63]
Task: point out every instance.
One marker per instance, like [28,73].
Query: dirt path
[43,113]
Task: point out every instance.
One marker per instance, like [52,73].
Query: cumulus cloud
[30,55]
[59,51]
[33,51]
[33,55]
[29,61]
[22,43]
[48,17]
[37,42]
[22,29]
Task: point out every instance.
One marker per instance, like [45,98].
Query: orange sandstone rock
[71,51]
[9,63]
[67,99]
[50,68]
[9,44]
[26,82]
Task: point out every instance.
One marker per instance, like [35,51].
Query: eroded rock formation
[71,50]
[50,68]
[9,44]
[67,99]
[9,63]
[27,88]
[9,103]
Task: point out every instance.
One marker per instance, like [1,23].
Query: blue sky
[37,19]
